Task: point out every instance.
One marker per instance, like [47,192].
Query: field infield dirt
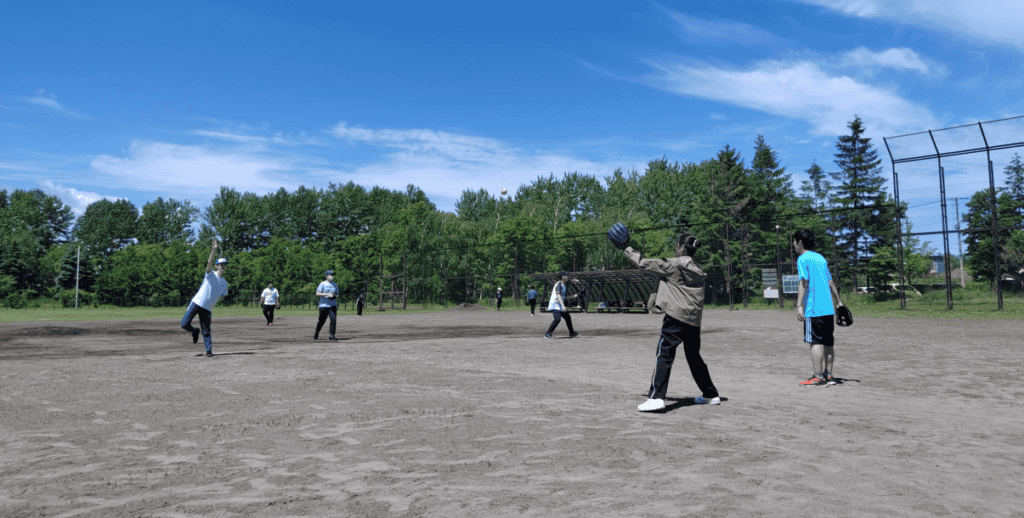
[474,414]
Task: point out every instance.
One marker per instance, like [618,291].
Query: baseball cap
[329,272]
[562,273]
[222,261]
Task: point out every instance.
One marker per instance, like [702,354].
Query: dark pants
[268,313]
[533,305]
[331,312]
[672,333]
[205,317]
[558,318]
[359,308]
[499,305]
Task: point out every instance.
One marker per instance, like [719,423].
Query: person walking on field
[269,299]
[681,297]
[498,296]
[815,296]
[214,287]
[328,306]
[556,305]
[531,298]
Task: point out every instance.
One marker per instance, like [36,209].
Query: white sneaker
[651,405]
[701,400]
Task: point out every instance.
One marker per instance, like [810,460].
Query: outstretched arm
[213,255]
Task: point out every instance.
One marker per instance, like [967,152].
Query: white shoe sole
[652,405]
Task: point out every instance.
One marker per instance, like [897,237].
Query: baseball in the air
[504,191]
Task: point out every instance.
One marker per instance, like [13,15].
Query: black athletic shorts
[819,330]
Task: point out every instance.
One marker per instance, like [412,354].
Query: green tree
[165,221]
[1015,181]
[817,188]
[916,254]
[71,263]
[981,250]
[45,217]
[107,226]
[867,225]
[476,205]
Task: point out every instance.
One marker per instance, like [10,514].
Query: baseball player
[213,289]
[498,296]
[814,308]
[681,297]
[556,305]
[531,298]
[328,293]
[269,299]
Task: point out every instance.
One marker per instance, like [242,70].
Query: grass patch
[975,302]
[88,313]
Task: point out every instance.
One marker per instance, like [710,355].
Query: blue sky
[139,100]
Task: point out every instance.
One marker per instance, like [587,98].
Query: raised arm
[213,255]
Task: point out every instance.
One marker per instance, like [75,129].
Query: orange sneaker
[813,381]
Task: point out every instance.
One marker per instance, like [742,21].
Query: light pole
[778,269]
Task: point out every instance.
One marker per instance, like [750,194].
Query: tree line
[744,213]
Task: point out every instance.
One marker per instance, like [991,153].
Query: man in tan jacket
[681,298]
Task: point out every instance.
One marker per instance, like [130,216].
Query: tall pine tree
[817,188]
[864,222]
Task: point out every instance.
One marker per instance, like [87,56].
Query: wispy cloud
[799,90]
[77,200]
[244,137]
[49,101]
[195,171]
[897,59]
[724,30]
[995,21]
[444,164]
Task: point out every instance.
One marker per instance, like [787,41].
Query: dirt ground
[472,413]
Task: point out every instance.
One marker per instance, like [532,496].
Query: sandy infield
[473,414]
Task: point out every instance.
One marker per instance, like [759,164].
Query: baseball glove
[843,316]
[619,236]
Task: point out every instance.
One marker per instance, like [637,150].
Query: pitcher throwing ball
[681,297]
[213,289]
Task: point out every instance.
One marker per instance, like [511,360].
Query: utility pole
[78,265]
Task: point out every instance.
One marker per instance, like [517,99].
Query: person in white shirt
[213,289]
[328,305]
[557,307]
[269,299]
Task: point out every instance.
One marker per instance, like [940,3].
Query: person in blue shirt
[213,289]
[816,294]
[531,298]
[328,305]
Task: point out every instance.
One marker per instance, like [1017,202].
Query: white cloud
[77,200]
[194,171]
[709,30]
[800,90]
[897,58]
[41,98]
[996,21]
[444,164]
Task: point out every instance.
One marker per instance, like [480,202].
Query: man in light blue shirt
[328,305]
[213,289]
[815,295]
[531,297]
